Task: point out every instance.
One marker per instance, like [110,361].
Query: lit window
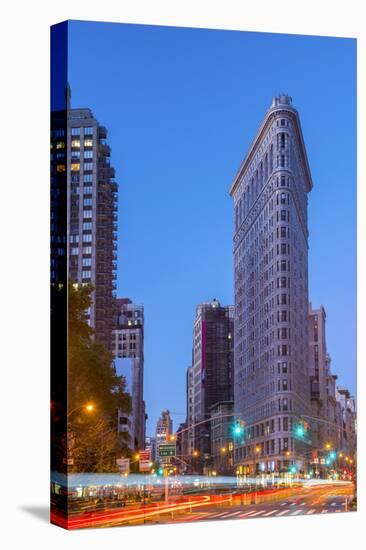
[60,145]
[75,143]
[61,168]
[88,142]
[75,167]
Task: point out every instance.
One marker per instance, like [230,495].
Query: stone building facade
[271,382]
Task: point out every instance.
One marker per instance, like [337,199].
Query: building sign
[166,450]
[123,465]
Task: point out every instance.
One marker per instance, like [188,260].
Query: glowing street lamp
[195,453]
[257,449]
[328,446]
[223,449]
[88,407]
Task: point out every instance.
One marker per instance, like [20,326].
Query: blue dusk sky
[181,107]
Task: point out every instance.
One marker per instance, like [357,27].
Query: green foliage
[93,440]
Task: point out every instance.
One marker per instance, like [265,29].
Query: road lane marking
[303,504]
[282,513]
[338,511]
[215,515]
[311,511]
[270,513]
[324,511]
[296,512]
[257,513]
[284,503]
[234,514]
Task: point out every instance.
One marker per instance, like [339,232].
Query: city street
[307,499]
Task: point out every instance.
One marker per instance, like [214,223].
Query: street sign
[166,450]
[145,455]
[123,465]
[144,465]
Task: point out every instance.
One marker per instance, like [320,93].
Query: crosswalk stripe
[282,513]
[311,511]
[338,511]
[296,512]
[214,516]
[234,514]
[324,511]
[270,513]
[284,504]
[257,513]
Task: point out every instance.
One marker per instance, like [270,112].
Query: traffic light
[161,471]
[332,455]
[293,469]
[238,428]
[301,429]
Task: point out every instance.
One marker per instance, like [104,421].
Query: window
[88,190]
[87,202]
[86,274]
[283,198]
[87,225]
[88,166]
[88,131]
[74,251]
[88,177]
[75,167]
[75,131]
[61,168]
[87,213]
[285,424]
[86,262]
[285,404]
[87,238]
[283,215]
[75,154]
[75,143]
[88,142]
[60,145]
[88,154]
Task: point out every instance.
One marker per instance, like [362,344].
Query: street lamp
[88,407]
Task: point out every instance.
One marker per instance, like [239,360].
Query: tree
[93,440]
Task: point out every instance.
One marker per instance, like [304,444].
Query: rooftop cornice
[267,121]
